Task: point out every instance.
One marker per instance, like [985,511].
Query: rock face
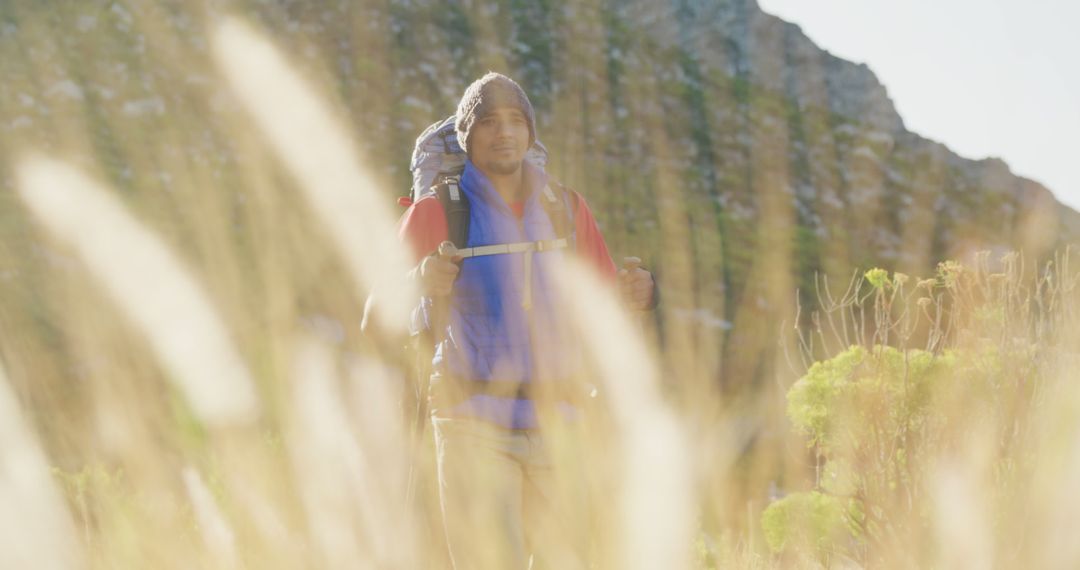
[713,139]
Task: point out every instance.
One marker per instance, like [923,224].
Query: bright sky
[985,77]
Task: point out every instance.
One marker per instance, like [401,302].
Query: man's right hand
[437,275]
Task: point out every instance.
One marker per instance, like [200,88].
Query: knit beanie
[486,94]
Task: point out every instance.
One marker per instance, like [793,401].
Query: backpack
[437,163]
[437,154]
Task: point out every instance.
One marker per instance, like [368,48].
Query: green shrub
[884,421]
[806,519]
[859,394]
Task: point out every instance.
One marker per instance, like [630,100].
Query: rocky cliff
[714,139]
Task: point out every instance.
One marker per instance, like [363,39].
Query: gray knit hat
[486,94]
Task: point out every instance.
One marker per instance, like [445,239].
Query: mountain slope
[713,139]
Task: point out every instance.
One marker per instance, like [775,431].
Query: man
[502,363]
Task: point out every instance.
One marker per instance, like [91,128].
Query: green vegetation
[884,424]
[809,519]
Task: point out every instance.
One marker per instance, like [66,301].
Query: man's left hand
[636,287]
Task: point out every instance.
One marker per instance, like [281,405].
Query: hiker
[499,342]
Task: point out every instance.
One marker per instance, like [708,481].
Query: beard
[503,167]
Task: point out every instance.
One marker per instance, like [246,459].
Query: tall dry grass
[936,435]
[212,404]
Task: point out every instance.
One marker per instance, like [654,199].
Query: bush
[884,420]
[806,519]
[844,402]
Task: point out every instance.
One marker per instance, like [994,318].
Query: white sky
[986,77]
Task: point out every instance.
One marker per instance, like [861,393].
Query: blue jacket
[490,336]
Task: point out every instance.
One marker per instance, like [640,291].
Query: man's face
[498,141]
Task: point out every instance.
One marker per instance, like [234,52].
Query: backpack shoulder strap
[561,205]
[559,202]
[456,206]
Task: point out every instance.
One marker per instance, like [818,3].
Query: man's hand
[438,272]
[635,285]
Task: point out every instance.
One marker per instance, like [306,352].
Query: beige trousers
[511,499]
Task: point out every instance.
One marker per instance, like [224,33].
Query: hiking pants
[511,499]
